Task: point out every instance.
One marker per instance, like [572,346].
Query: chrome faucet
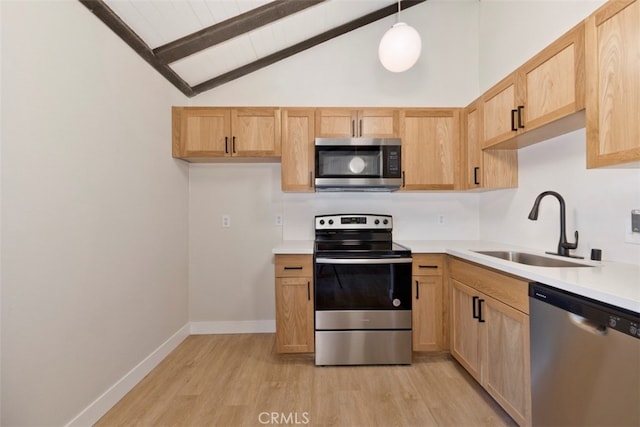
[563,245]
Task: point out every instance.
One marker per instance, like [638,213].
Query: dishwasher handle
[587,325]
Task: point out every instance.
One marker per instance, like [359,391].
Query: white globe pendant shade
[400,48]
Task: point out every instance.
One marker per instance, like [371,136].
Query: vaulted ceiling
[200,44]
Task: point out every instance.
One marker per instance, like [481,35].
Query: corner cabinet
[294,304]
[613,85]
[490,333]
[350,123]
[298,153]
[204,134]
[430,148]
[489,168]
[429,305]
[526,106]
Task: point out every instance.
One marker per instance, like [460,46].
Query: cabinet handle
[480,319]
[310,179]
[226,145]
[475,175]
[292,268]
[233,144]
[353,128]
[475,313]
[513,120]
[308,291]
[427,266]
[417,290]
[360,127]
[402,179]
[520,114]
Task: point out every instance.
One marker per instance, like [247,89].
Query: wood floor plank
[239,380]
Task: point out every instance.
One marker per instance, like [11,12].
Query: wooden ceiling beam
[232,27]
[304,45]
[117,25]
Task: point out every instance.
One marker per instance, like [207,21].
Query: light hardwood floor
[239,380]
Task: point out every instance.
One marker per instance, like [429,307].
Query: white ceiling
[158,22]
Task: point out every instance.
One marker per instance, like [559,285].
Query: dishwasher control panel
[598,314]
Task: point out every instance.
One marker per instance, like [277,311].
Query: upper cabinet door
[350,123]
[553,81]
[500,108]
[201,132]
[613,85]
[336,123]
[255,132]
[430,148]
[297,149]
[378,123]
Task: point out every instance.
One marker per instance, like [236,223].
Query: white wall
[512,31]
[94,212]
[598,201]
[229,267]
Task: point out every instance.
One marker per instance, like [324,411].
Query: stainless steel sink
[531,259]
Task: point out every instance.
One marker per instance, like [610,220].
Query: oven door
[362,283]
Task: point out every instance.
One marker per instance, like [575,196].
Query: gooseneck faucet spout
[563,245]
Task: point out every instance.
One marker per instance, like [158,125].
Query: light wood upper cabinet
[204,133]
[430,148]
[430,302]
[490,333]
[613,85]
[527,106]
[489,168]
[298,150]
[349,123]
[500,107]
[294,304]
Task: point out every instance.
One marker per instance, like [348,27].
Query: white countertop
[610,282]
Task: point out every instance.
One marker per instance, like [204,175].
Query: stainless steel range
[362,292]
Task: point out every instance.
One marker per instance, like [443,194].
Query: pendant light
[400,46]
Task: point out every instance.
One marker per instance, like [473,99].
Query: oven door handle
[363,260]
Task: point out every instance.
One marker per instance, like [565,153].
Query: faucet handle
[568,245]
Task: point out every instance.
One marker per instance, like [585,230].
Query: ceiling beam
[117,25]
[302,46]
[232,27]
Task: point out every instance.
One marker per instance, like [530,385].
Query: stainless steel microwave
[358,164]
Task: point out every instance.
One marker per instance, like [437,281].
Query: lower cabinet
[294,304]
[490,334]
[429,303]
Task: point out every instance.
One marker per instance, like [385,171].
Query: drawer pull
[427,266]
[293,268]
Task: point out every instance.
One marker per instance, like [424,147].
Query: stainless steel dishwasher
[585,361]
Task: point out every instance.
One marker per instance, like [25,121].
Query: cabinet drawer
[428,264]
[294,266]
[504,288]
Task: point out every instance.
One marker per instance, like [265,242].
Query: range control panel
[353,222]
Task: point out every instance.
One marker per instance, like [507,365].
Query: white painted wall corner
[92,413]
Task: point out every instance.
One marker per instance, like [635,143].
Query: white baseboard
[239,327]
[92,413]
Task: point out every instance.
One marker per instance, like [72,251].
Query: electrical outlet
[226,221]
[630,227]
[440,219]
[278,219]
